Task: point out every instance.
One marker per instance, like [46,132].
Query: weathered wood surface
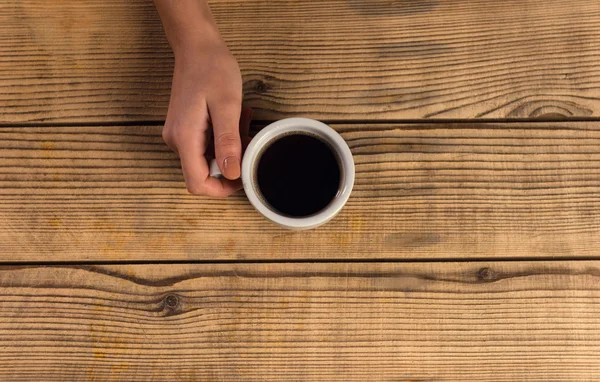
[311,322]
[422,191]
[108,60]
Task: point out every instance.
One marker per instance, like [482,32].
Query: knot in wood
[261,86]
[171,301]
[485,274]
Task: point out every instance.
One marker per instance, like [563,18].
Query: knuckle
[195,188]
[227,140]
[230,100]
[167,135]
[174,135]
[178,136]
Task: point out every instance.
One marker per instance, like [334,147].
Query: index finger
[196,173]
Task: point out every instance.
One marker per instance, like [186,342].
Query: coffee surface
[298,175]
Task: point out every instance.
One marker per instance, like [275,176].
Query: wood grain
[422,191]
[311,322]
[106,61]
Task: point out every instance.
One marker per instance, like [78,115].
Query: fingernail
[231,167]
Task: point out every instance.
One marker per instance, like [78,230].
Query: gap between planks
[299,261]
[262,123]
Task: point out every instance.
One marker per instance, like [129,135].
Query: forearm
[188,24]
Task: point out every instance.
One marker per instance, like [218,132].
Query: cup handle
[213,169]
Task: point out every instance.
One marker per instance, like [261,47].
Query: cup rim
[320,129]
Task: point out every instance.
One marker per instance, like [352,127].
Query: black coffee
[298,175]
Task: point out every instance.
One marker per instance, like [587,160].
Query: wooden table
[469,249]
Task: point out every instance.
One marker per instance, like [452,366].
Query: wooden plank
[107,60]
[422,191]
[378,321]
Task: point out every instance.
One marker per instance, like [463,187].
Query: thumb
[225,119]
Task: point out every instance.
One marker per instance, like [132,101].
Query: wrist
[189,25]
[196,40]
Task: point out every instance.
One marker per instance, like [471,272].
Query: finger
[221,188]
[225,117]
[167,137]
[196,173]
[245,119]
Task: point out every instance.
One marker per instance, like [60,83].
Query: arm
[206,91]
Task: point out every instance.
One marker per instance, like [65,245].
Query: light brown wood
[105,61]
[422,191]
[312,322]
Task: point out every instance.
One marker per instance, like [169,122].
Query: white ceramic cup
[270,134]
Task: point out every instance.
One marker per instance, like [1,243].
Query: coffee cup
[297,172]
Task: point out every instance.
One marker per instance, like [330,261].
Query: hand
[207,91]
